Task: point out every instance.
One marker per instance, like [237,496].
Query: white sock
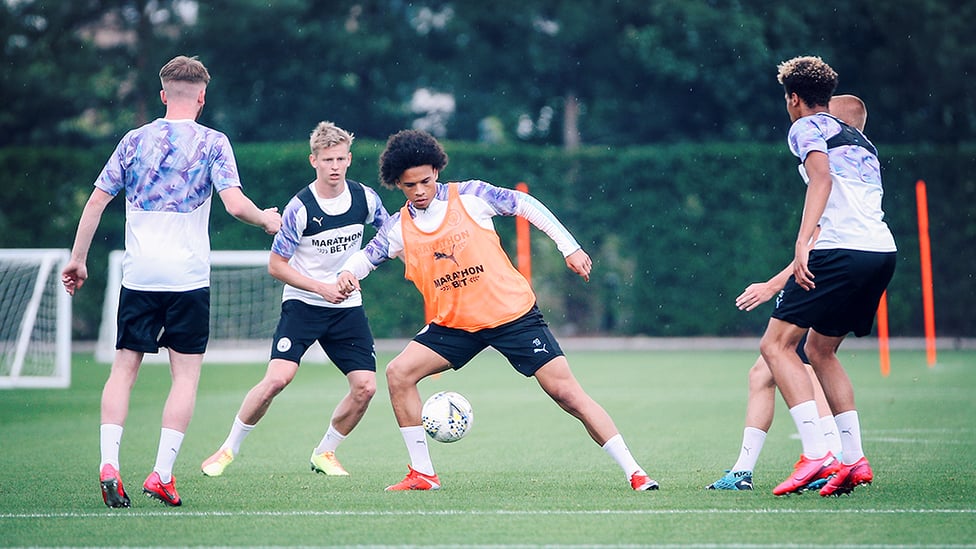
[808,426]
[238,432]
[849,428]
[618,450]
[110,438]
[831,435]
[752,444]
[330,441]
[169,447]
[416,440]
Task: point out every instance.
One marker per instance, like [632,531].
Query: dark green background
[675,232]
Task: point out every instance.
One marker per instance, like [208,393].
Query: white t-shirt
[853,218]
[169,170]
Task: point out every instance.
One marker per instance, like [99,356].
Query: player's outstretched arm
[758,293]
[241,207]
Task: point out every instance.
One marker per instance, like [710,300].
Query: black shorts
[849,284]
[526,342]
[176,320]
[343,333]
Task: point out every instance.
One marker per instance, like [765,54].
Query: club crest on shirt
[453,218]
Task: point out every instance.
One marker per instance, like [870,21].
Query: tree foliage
[539,71]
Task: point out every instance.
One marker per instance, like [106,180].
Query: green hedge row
[675,232]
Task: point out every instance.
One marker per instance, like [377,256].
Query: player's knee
[363,391]
[569,397]
[395,374]
[770,348]
[274,384]
[759,376]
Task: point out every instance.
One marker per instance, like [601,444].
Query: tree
[539,71]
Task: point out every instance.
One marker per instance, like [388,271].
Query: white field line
[487,513]
[902,440]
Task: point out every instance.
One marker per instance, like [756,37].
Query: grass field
[526,475]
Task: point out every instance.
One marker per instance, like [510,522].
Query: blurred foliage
[638,71]
[675,232]
[682,192]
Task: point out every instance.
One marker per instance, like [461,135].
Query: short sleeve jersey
[318,235]
[169,170]
[853,218]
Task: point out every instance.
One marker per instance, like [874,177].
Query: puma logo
[441,255]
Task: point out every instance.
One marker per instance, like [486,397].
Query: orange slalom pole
[523,242]
[925,250]
[883,343]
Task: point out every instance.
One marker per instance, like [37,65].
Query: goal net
[35,319]
[245,302]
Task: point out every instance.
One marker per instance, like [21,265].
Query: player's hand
[73,276]
[801,272]
[347,282]
[580,263]
[272,220]
[333,293]
[755,295]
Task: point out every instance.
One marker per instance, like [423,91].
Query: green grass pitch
[525,476]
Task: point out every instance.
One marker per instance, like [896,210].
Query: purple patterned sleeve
[810,133]
[377,250]
[503,201]
[290,235]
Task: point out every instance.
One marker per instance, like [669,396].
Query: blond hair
[810,78]
[326,135]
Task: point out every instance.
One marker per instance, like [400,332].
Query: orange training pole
[925,251]
[522,239]
[883,335]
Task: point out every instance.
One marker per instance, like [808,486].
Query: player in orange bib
[473,297]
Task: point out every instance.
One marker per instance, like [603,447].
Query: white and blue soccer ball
[447,416]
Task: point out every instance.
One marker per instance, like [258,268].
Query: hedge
[675,231]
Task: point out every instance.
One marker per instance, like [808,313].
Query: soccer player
[321,227]
[169,169]
[761,402]
[837,280]
[473,296]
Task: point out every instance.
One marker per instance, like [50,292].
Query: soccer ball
[447,416]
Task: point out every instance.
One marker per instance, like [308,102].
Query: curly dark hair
[408,149]
[810,78]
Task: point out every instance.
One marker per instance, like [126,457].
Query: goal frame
[50,262]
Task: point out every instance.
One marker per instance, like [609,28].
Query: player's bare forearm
[242,208]
[76,271]
[279,268]
[818,190]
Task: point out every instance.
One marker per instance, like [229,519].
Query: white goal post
[35,319]
[245,303]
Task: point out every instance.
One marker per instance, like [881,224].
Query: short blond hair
[809,77]
[326,134]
